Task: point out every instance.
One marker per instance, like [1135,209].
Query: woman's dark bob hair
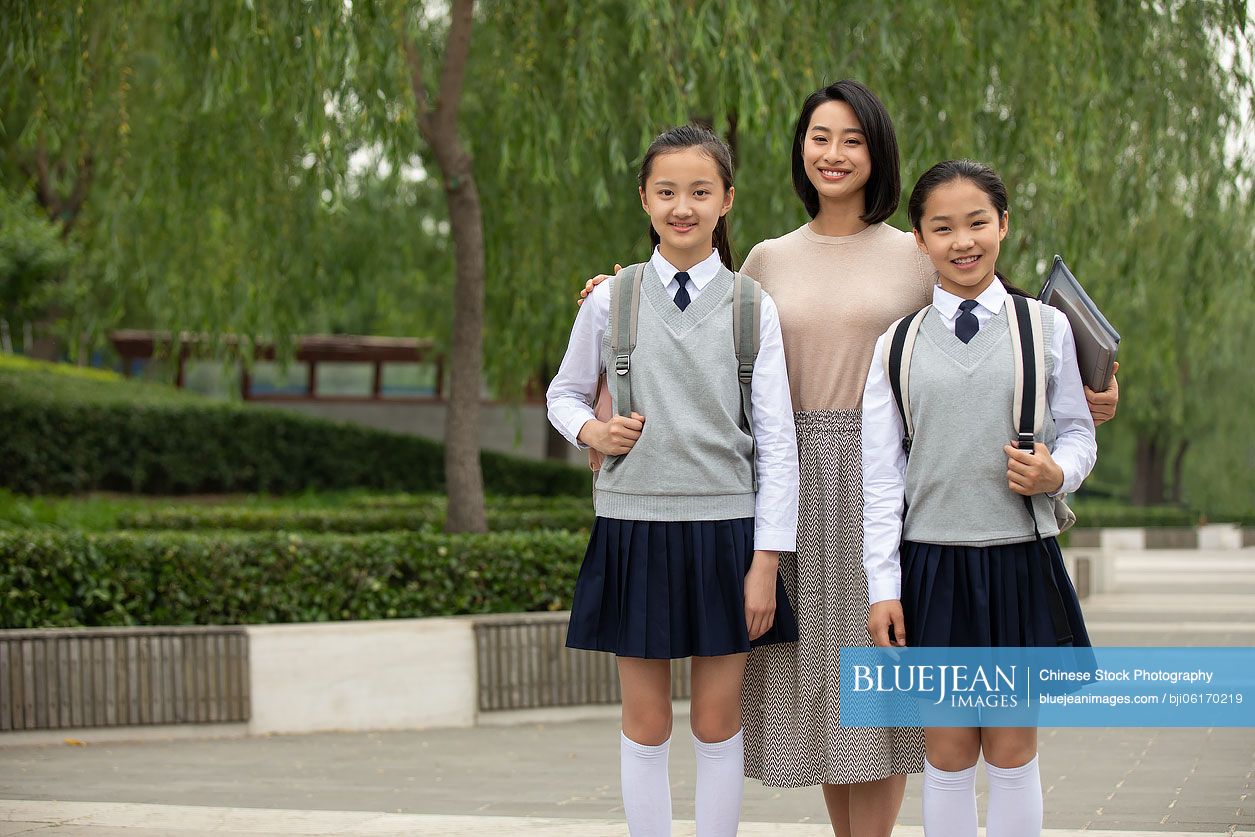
[884,187]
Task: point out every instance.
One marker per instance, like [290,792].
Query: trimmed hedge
[1101,514]
[567,516]
[69,430]
[53,579]
[514,502]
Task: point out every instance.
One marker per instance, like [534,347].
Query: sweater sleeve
[755,261]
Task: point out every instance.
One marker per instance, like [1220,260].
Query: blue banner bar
[1048,687]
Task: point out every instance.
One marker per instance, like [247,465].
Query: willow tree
[221,135]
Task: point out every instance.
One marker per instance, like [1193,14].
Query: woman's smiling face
[835,153]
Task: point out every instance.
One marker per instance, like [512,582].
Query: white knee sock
[720,785]
[646,787]
[949,802]
[1015,804]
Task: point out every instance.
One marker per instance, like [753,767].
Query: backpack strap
[747,297]
[624,308]
[1028,415]
[1028,406]
[897,361]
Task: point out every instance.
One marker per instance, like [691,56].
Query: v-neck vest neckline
[677,321]
[967,355]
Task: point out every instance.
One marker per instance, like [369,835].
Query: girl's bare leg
[645,745]
[718,743]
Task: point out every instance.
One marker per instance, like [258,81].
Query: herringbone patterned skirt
[793,736]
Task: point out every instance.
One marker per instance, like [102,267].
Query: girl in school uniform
[693,502]
[961,565]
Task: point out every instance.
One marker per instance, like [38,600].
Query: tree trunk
[437,118]
[1178,468]
[464,479]
[1149,463]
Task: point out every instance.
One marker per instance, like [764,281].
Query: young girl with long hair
[954,556]
[697,495]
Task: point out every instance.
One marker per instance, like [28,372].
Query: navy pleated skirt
[666,590]
[983,596]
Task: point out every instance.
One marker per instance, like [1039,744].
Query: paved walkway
[560,778]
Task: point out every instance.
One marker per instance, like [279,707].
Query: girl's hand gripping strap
[746,303]
[623,312]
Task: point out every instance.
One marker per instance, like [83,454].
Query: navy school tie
[682,296]
[967,325]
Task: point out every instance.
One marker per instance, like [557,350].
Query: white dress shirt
[574,388]
[884,462]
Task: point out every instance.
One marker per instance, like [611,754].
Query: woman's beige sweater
[837,295]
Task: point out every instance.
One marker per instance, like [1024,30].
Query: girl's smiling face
[835,153]
[685,197]
[961,232]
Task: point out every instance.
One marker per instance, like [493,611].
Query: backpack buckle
[745,372]
[1024,441]
[621,364]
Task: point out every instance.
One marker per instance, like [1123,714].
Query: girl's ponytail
[723,242]
[1011,289]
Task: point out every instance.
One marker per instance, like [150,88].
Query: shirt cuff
[883,589]
[775,540]
[573,430]
[1069,484]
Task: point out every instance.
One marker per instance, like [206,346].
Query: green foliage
[560,514]
[32,256]
[70,433]
[223,197]
[1097,514]
[56,579]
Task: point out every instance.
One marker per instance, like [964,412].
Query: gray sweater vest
[956,477]
[694,460]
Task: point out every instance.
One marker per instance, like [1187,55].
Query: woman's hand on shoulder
[1102,405]
[1034,472]
[884,615]
[760,593]
[594,282]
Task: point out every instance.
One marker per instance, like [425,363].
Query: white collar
[700,274]
[991,299]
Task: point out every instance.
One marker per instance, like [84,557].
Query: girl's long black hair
[694,136]
[980,175]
